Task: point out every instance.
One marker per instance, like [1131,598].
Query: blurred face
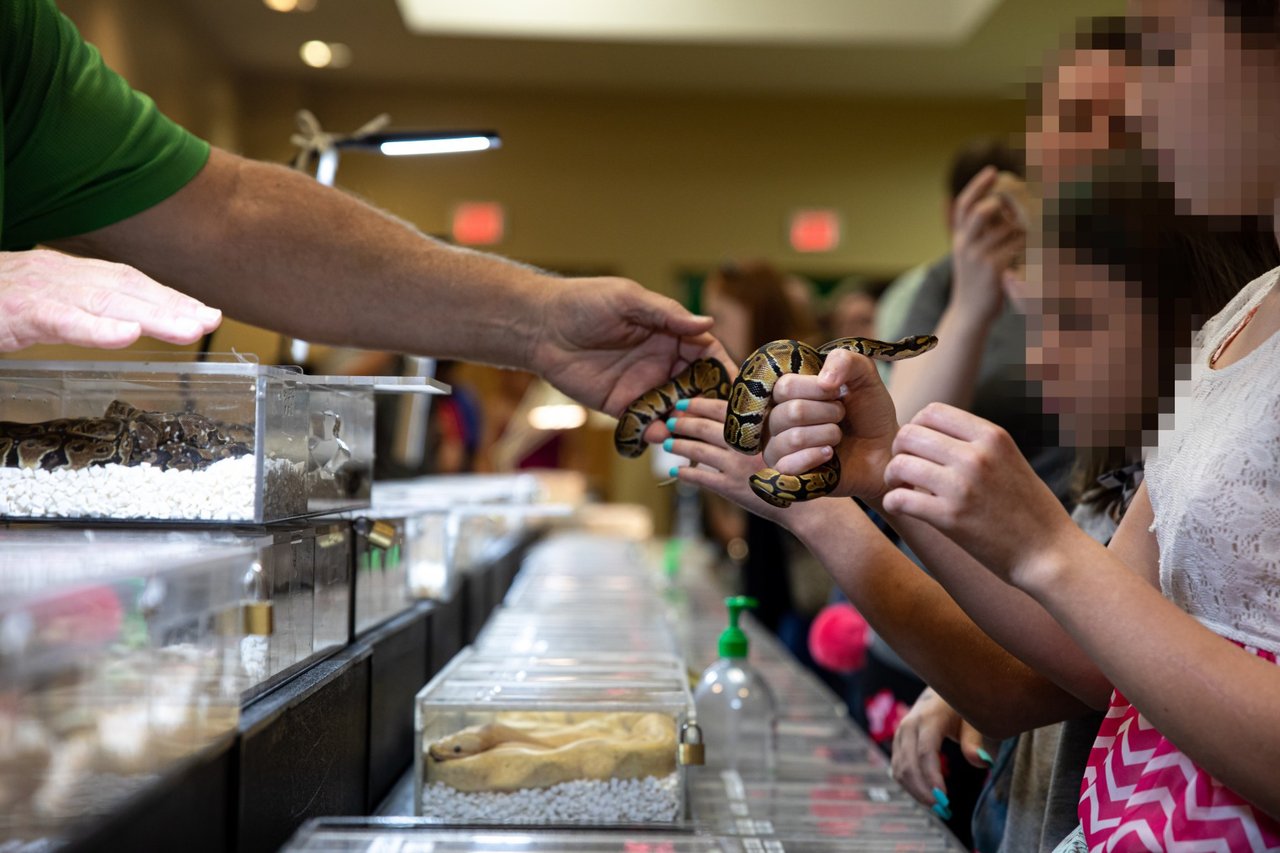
[1083,107]
[732,319]
[854,316]
[1207,104]
[1085,345]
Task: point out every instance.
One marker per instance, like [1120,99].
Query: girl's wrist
[811,521]
[1048,570]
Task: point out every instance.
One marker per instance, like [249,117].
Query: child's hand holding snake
[715,466]
[813,469]
[846,412]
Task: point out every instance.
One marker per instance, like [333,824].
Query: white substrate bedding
[648,800]
[224,491]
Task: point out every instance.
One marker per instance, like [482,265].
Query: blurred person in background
[851,311]
[752,304]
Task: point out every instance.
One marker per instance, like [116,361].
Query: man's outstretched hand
[50,298]
[606,341]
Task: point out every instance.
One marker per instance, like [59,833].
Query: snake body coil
[705,377]
[124,435]
[751,396]
[749,399]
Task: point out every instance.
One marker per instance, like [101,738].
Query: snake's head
[460,745]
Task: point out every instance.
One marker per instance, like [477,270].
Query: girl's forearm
[998,693]
[1008,615]
[1213,700]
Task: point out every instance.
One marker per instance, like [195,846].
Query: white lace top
[1214,484]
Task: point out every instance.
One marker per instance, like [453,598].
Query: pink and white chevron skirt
[1140,793]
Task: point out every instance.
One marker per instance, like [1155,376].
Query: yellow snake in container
[749,398]
[540,749]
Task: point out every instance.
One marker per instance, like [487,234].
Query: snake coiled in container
[124,435]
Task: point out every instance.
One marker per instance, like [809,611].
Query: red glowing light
[815,230]
[479,223]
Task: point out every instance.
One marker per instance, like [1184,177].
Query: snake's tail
[761,483]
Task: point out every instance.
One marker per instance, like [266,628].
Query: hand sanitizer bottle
[736,708]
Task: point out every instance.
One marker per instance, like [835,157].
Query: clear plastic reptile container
[570,631]
[519,742]
[119,658]
[181,440]
[299,596]
[379,579]
[455,524]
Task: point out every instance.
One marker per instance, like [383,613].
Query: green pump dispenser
[733,640]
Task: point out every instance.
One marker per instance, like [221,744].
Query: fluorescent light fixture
[919,22]
[448,145]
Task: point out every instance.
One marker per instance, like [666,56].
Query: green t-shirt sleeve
[82,149]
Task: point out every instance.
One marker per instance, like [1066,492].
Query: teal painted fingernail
[942,812]
[675,471]
[682,405]
[985,756]
[671,424]
[668,444]
[941,798]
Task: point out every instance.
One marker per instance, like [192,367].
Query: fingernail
[942,812]
[668,444]
[674,472]
[671,424]
[985,756]
[208,316]
[682,405]
[186,327]
[941,797]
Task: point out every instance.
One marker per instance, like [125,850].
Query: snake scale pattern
[750,396]
[752,393]
[124,435]
[705,377]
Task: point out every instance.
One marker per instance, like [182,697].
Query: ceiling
[977,48]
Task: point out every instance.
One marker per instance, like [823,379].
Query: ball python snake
[705,377]
[749,399]
[124,435]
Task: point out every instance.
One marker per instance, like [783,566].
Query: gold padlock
[382,535]
[693,753]
[259,618]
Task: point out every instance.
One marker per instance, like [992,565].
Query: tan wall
[638,184]
[155,48]
[646,184]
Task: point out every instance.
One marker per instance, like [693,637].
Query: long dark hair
[762,289]
[1185,268]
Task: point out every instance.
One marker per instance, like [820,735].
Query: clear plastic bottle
[736,709]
